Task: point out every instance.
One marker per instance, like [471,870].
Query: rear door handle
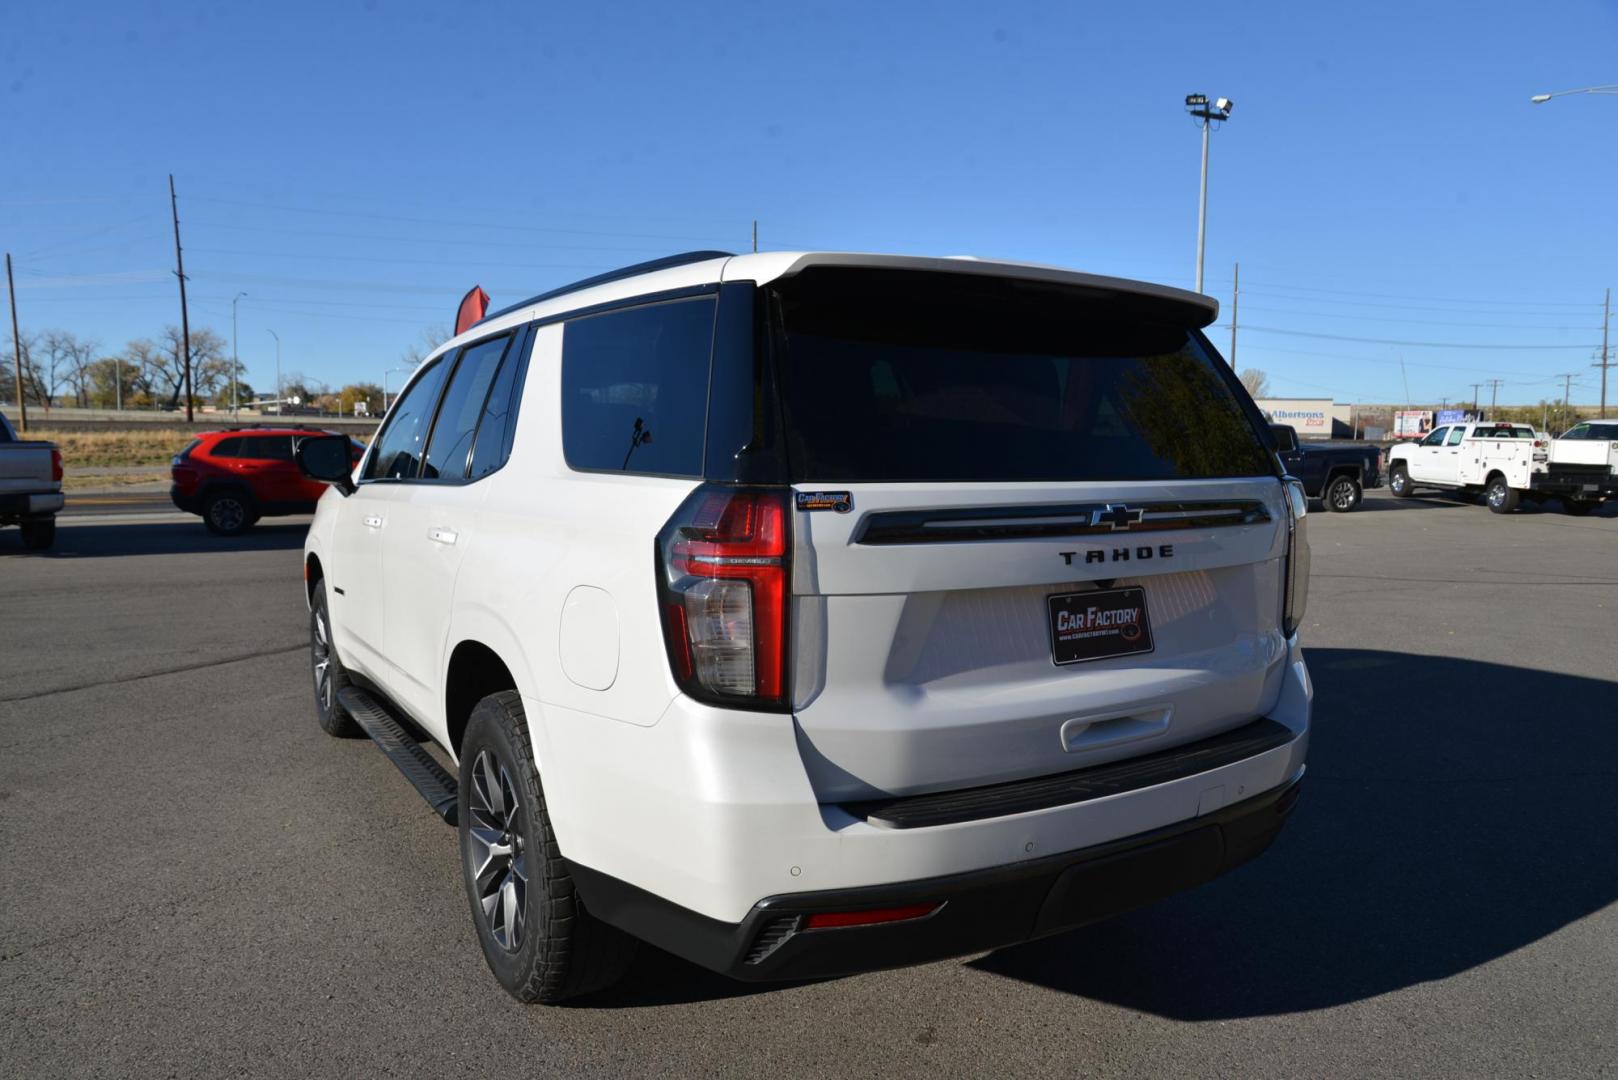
[440,535]
[373,521]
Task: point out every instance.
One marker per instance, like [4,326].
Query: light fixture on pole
[1540,99]
[280,406]
[235,364]
[1197,105]
[385,375]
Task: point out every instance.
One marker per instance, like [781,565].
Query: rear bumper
[185,501]
[1591,484]
[31,504]
[975,911]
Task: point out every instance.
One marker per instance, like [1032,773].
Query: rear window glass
[635,388]
[226,448]
[892,376]
[1503,433]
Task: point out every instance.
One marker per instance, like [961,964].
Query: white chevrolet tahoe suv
[804,614]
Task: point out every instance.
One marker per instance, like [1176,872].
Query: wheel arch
[475,671]
[1354,472]
[313,574]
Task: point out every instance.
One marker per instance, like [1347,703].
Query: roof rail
[665,263]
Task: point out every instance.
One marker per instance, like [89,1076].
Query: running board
[423,771]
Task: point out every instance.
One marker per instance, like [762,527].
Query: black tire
[38,535]
[1501,496]
[536,935]
[1579,507]
[1342,494]
[334,719]
[1399,482]
[228,512]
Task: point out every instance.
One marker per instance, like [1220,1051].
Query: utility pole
[280,406]
[1235,306]
[755,236]
[16,346]
[185,318]
[1475,388]
[1567,395]
[235,364]
[1606,362]
[1494,395]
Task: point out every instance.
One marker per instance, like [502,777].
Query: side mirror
[1286,439]
[327,458]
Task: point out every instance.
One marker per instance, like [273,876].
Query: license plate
[1099,624]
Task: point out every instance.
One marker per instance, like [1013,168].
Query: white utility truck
[1586,457]
[1503,461]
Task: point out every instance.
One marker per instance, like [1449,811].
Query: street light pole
[1197,105]
[1540,99]
[280,406]
[385,375]
[235,364]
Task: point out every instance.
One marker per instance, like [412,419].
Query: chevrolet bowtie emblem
[1118,517]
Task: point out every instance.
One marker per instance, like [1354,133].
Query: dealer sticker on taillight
[1099,624]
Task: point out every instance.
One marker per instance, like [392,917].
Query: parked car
[1336,473]
[1586,459]
[30,487]
[805,614]
[1504,462]
[235,477]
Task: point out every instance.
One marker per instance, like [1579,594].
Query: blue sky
[355,165]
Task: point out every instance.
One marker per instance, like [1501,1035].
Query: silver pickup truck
[30,487]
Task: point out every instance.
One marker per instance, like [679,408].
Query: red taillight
[724,574]
[56,465]
[827,920]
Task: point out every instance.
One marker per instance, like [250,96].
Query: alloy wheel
[320,652]
[1342,495]
[499,866]
[228,514]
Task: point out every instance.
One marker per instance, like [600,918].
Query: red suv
[233,478]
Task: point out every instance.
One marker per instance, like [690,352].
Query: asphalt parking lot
[195,881]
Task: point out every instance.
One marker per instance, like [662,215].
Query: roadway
[197,881]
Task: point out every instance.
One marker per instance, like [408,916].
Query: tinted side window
[1578,431]
[499,415]
[451,440]
[266,447]
[1436,438]
[226,448]
[635,388]
[399,447]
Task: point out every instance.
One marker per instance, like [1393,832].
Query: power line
[1408,344]
[1418,322]
[1408,296]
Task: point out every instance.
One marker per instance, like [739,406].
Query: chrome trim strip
[969,524]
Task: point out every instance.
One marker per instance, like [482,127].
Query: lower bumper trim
[978,910]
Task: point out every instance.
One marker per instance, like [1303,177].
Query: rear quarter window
[635,388]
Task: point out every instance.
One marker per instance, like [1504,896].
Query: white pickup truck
[1505,462]
[30,487]
[1586,457]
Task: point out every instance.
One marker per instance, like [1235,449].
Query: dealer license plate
[1099,624]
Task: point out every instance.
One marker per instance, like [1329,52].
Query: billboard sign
[1309,416]
[1453,416]
[1412,423]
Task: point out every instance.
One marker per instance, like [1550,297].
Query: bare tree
[33,382]
[65,359]
[1257,383]
[431,338]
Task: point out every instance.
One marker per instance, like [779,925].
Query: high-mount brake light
[724,576]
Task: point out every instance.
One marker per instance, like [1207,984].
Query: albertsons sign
[1311,416]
